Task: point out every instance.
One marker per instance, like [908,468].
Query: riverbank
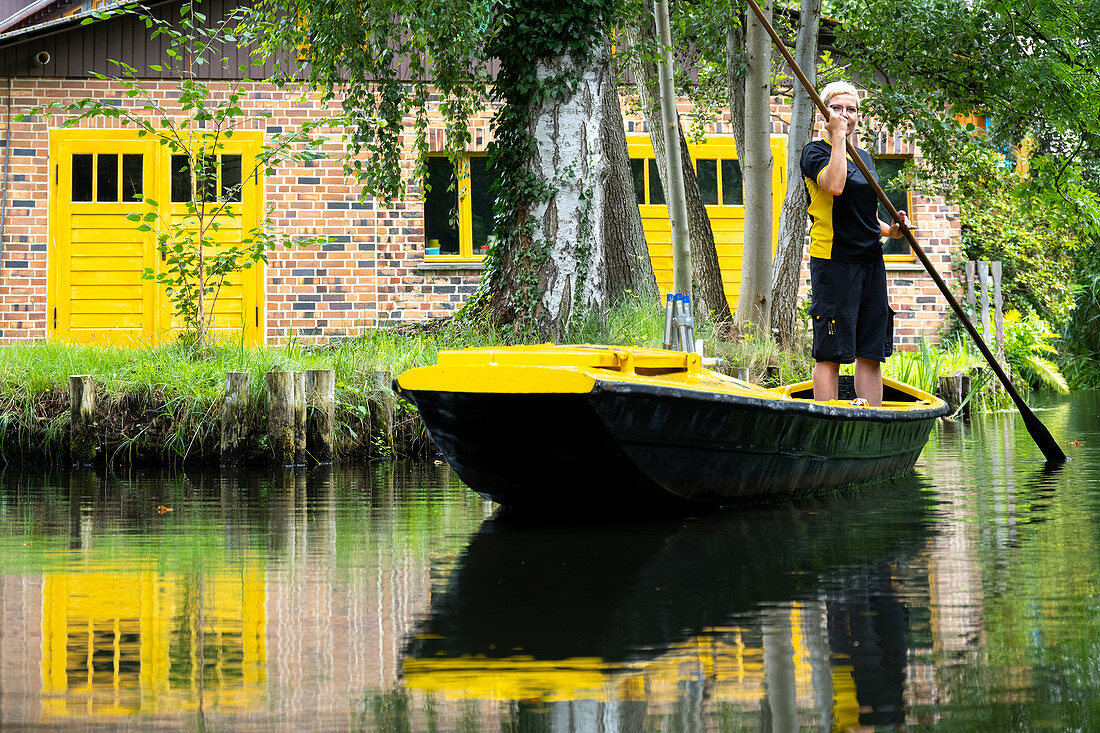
[163,406]
[160,405]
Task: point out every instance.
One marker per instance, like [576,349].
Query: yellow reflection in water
[152,642]
[732,669]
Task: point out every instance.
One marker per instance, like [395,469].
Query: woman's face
[846,106]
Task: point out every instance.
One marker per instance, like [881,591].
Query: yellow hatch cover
[620,358]
[569,370]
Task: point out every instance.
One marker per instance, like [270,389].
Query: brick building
[71,263]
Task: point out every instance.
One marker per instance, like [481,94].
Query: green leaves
[1031,68]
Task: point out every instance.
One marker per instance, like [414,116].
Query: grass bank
[160,405]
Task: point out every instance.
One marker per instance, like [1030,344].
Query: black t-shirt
[845,227]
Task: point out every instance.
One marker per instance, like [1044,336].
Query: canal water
[964,597]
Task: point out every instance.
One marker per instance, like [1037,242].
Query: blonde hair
[838,87]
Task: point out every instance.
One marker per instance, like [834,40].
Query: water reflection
[248,598]
[391,598]
[789,616]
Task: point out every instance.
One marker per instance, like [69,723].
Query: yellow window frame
[716,147]
[465,214]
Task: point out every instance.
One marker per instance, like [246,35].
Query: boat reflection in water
[778,617]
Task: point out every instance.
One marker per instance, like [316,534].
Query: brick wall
[372,272]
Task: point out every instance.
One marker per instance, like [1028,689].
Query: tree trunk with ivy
[571,241]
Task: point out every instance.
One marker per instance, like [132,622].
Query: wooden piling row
[296,424]
[301,414]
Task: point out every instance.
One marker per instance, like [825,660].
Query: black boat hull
[629,445]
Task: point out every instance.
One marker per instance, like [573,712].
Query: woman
[852,318]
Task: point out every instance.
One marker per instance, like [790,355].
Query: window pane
[132,177]
[637,172]
[181,178]
[231,178]
[440,207]
[206,180]
[82,177]
[107,181]
[656,193]
[890,175]
[732,194]
[481,203]
[706,172]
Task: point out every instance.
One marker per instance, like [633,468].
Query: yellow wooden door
[719,175]
[230,211]
[97,255]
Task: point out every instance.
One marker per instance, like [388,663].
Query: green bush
[1027,346]
[1036,255]
[1081,335]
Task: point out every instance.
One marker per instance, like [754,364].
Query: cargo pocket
[888,344]
[823,320]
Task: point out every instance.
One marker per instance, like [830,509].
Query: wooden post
[953,389]
[83,442]
[299,416]
[381,412]
[280,416]
[321,417]
[235,416]
[970,290]
[771,376]
[741,373]
[983,280]
[998,311]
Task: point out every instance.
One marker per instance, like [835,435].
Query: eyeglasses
[837,109]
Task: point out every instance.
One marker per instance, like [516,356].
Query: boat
[614,427]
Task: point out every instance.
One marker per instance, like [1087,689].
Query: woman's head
[842,101]
[834,88]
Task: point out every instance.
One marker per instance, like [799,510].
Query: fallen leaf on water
[161,509]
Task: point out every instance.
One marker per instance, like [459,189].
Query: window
[458,210]
[214,183]
[97,177]
[891,174]
[719,181]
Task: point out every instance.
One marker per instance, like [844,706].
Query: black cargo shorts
[850,312]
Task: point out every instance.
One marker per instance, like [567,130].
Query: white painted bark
[584,226]
[792,218]
[754,301]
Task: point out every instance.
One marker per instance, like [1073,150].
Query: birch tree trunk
[710,295]
[582,248]
[735,50]
[754,301]
[792,218]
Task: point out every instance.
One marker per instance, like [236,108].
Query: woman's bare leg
[826,376]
